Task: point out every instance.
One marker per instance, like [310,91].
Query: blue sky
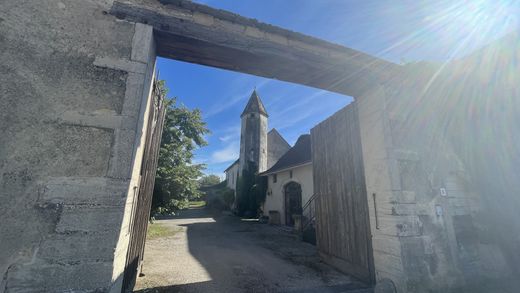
[397,30]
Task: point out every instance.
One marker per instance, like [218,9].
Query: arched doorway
[293,202]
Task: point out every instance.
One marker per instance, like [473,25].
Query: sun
[472,23]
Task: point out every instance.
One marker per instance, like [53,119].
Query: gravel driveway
[226,254]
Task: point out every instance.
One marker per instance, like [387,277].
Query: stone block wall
[73,99]
[432,220]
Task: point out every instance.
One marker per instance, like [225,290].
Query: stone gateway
[439,142]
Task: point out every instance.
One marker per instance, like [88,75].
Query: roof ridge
[279,135]
[297,155]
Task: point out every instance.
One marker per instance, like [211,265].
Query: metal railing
[309,213]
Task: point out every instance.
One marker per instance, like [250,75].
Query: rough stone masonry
[440,142]
[73,100]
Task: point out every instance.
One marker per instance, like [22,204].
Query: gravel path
[227,254]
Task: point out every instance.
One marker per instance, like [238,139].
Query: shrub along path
[204,253]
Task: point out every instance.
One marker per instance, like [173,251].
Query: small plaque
[443,191]
[438,210]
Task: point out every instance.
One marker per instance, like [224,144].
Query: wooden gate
[143,196]
[342,222]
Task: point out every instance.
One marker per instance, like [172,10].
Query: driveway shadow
[246,256]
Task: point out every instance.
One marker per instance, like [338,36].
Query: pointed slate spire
[255,105]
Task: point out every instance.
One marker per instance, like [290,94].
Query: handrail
[309,213]
[311,199]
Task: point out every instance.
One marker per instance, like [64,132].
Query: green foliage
[209,180]
[176,180]
[251,190]
[219,196]
[227,195]
[259,190]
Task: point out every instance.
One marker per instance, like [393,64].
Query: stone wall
[440,143]
[71,117]
[440,154]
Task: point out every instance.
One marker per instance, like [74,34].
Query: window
[290,174]
[274,178]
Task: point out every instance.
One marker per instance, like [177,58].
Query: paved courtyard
[226,254]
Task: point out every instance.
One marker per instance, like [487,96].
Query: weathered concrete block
[89,219]
[426,209]
[72,248]
[405,196]
[122,154]
[121,64]
[91,88]
[409,226]
[386,244]
[42,277]
[142,42]
[75,150]
[133,95]
[99,119]
[84,190]
[404,209]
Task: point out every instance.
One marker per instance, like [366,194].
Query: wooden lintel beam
[199,34]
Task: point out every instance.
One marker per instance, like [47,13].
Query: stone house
[290,183]
[273,157]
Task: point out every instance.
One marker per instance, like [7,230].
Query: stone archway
[292,201]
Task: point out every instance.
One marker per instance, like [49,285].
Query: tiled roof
[298,155]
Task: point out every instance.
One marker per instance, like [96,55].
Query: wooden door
[342,222]
[293,202]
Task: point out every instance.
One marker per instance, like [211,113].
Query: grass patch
[158,230]
[196,204]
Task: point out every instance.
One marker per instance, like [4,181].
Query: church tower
[253,138]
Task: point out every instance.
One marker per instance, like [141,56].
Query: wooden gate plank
[143,201]
[343,229]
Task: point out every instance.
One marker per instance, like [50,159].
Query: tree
[251,190]
[176,179]
[209,180]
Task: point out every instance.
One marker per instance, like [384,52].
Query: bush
[219,196]
[251,190]
[228,196]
